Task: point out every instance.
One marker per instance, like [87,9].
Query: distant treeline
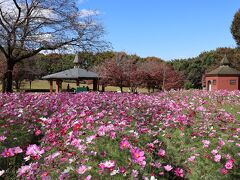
[191,69]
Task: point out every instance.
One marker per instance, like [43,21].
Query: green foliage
[188,85]
[235,27]
[195,68]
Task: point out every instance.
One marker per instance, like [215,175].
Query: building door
[239,83]
[209,86]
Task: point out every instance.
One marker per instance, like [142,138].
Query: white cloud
[11,11]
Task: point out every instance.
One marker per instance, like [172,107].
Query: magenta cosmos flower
[138,156]
[161,152]
[124,144]
[223,171]
[37,132]
[179,172]
[8,152]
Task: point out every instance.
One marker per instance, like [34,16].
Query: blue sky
[167,29]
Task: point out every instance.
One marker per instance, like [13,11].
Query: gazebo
[75,73]
[224,77]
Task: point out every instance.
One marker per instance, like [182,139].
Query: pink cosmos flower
[34,151]
[88,177]
[2,138]
[206,143]
[124,144]
[76,142]
[90,119]
[27,169]
[134,173]
[156,164]
[100,115]
[122,170]
[179,172]
[18,150]
[77,126]
[221,143]
[217,158]
[113,135]
[23,170]
[227,156]
[238,129]
[102,130]
[45,176]
[150,145]
[223,171]
[138,156]
[229,164]
[90,139]
[168,167]
[8,152]
[192,158]
[109,164]
[214,151]
[161,152]
[82,169]
[37,132]
[161,173]
[101,166]
[200,108]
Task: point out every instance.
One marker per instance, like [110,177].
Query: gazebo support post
[59,86]
[103,88]
[51,86]
[95,84]
[77,82]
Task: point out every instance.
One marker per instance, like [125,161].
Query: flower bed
[182,135]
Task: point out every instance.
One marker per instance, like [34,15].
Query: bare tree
[28,27]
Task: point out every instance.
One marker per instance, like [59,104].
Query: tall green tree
[235,28]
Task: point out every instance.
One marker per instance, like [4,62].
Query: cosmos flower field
[171,135]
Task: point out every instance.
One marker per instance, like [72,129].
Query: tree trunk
[17,85]
[121,88]
[9,78]
[4,83]
[149,89]
[30,84]
[131,89]
[103,88]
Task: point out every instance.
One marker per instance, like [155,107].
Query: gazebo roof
[75,73]
[224,69]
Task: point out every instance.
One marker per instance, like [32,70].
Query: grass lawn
[43,84]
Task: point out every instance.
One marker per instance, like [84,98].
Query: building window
[214,82]
[232,82]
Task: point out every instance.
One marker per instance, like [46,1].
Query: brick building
[224,77]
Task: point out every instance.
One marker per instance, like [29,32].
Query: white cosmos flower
[2,172]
